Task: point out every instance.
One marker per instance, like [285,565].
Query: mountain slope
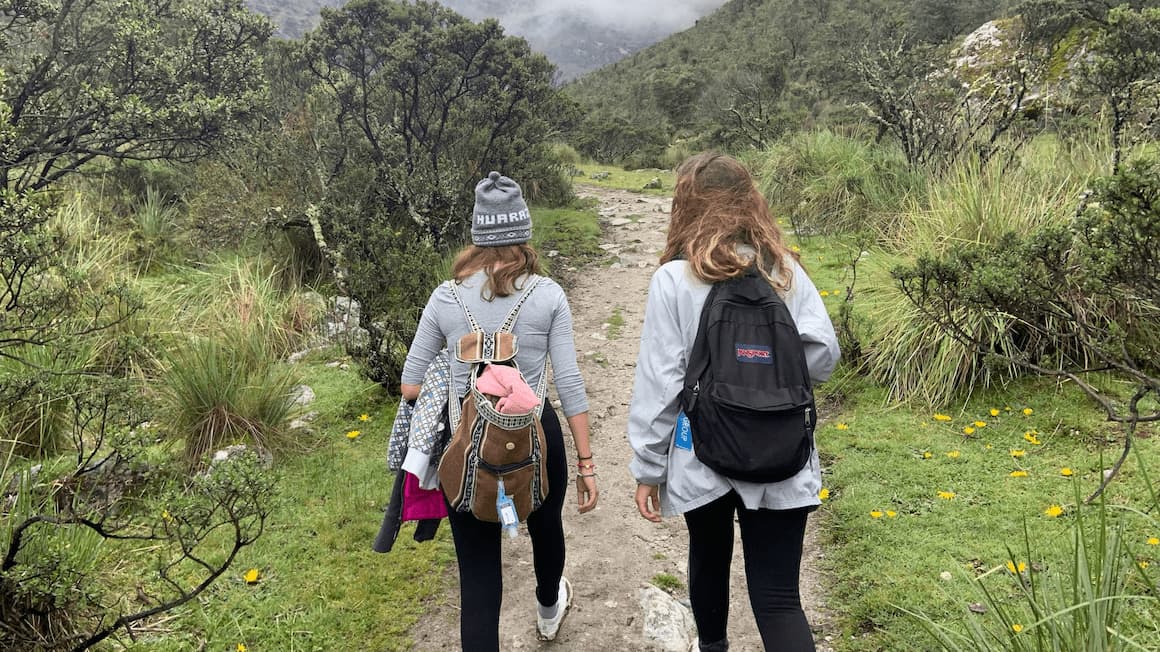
[755,68]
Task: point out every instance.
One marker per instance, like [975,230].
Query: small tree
[1123,71]
[122,79]
[935,115]
[408,106]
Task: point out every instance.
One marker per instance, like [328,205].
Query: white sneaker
[547,628]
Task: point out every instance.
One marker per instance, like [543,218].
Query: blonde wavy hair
[717,209]
[504,266]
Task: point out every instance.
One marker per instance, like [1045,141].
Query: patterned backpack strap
[474,325]
[508,324]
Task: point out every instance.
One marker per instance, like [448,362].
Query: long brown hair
[504,266]
[717,208]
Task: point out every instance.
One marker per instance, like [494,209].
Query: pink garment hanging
[515,396]
[421,504]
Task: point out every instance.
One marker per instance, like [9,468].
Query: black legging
[477,546]
[772,542]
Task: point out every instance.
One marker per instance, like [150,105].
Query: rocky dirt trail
[612,552]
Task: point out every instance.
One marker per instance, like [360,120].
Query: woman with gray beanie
[490,276]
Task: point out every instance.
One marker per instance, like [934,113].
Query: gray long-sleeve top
[672,316]
[544,328]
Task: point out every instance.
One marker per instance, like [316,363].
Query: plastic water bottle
[508,519]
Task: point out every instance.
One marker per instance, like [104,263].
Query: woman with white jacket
[720,229]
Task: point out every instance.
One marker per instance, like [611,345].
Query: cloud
[530,17]
[632,15]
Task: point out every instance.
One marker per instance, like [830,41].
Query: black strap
[700,343]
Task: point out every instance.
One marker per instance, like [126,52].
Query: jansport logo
[754,354]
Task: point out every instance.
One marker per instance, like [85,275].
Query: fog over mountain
[577,35]
[583,35]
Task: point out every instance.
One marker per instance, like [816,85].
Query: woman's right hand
[648,501]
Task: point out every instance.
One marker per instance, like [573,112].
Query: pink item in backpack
[421,504]
[515,396]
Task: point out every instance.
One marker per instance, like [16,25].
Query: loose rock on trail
[612,553]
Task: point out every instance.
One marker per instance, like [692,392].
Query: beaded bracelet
[587,467]
[584,458]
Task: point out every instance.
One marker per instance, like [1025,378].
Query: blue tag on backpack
[683,437]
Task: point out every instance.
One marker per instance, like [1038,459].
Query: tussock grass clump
[221,391]
[827,184]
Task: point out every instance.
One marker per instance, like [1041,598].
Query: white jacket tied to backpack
[672,315]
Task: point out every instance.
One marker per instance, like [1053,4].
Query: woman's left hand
[586,492]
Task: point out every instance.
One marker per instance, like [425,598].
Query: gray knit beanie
[500,217]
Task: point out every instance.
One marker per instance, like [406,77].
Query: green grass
[667,582]
[898,460]
[573,231]
[615,324]
[321,587]
[633,180]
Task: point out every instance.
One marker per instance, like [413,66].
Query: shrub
[566,154]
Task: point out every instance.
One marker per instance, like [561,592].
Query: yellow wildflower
[836,292]
[1153,541]
[1019,474]
[942,417]
[166,515]
[1066,472]
[824,494]
[1028,412]
[241,647]
[1017,628]
[353,434]
[1018,452]
[968,430]
[954,455]
[980,424]
[364,417]
[842,426]
[1053,511]
[824,293]
[1144,564]
[876,514]
[796,249]
[994,412]
[1012,567]
[926,455]
[891,514]
[946,495]
[1030,437]
[251,576]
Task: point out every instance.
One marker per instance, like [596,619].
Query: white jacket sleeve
[660,375]
[813,323]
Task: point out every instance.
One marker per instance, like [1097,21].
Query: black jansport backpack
[747,390]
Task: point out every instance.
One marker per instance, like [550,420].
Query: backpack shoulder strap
[529,286]
[699,358]
[471,323]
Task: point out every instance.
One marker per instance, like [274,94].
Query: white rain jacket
[672,316]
